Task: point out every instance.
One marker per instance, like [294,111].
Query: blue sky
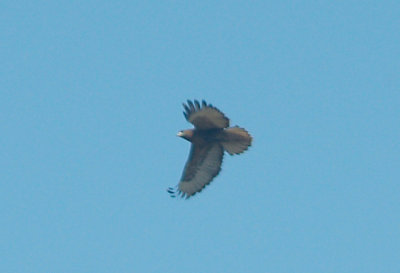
[90,103]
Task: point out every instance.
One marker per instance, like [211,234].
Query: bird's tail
[236,140]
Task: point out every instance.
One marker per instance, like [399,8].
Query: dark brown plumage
[210,137]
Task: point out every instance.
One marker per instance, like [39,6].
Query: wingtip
[172,192]
[197,104]
[191,105]
[187,110]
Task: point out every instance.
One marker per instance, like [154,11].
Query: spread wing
[204,116]
[203,165]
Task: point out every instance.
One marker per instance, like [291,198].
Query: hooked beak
[179,134]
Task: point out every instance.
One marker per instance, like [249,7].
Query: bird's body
[198,136]
[210,138]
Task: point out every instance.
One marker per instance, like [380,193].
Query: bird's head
[186,134]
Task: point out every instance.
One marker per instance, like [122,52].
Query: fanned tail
[236,140]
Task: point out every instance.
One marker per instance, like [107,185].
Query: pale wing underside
[204,116]
[203,165]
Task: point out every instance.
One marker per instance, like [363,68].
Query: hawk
[210,138]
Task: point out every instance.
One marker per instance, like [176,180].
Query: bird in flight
[210,138]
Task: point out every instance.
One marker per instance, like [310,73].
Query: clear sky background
[90,103]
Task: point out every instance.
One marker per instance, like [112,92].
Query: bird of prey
[210,138]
